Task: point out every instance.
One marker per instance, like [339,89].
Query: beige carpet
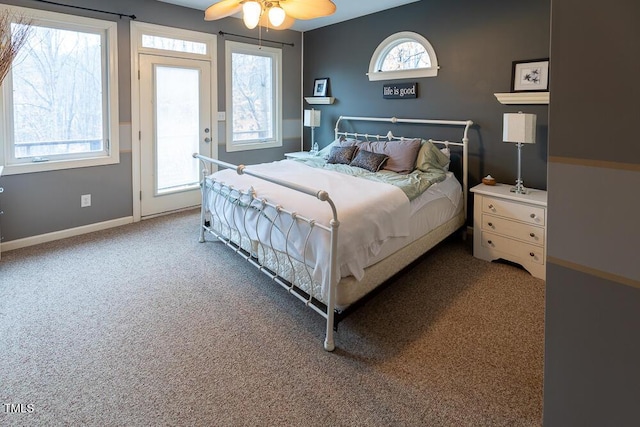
[143,325]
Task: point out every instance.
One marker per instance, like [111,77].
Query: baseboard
[63,234]
[188,208]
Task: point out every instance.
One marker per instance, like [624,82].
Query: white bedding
[370,213]
[434,207]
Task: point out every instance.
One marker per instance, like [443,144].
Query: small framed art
[320,87]
[530,76]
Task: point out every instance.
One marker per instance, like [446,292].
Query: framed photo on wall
[320,86]
[530,75]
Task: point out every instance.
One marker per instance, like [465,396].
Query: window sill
[53,165]
[252,146]
[403,74]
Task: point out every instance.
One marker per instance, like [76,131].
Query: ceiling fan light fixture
[251,11]
[276,15]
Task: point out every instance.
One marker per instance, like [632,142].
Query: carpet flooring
[142,325]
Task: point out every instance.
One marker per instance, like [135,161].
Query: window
[254,96]
[59,101]
[404,55]
[174,42]
[174,45]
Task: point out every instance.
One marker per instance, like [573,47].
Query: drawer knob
[532,254]
[490,206]
[490,242]
[532,235]
[490,224]
[532,215]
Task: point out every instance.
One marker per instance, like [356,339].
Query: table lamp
[312,120]
[521,129]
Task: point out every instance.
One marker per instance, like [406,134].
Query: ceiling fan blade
[286,24]
[308,9]
[222,9]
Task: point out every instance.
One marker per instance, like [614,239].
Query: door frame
[138,29]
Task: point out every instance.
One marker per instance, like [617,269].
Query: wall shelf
[523,98]
[314,100]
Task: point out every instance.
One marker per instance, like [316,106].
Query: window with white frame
[403,55]
[254,96]
[60,99]
[151,41]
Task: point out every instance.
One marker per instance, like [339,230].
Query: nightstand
[510,226]
[300,155]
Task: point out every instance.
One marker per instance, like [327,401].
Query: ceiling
[346,9]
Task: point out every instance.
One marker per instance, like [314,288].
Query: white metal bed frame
[234,233]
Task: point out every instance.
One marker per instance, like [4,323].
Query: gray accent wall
[475,43]
[592,318]
[592,349]
[46,202]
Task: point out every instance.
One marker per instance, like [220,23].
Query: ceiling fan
[276,14]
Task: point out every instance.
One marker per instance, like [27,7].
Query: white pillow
[340,141]
[447,152]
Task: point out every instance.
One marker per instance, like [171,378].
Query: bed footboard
[272,238]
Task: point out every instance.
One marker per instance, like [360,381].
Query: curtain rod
[222,33]
[89,9]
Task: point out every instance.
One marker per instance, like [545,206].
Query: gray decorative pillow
[339,142]
[369,161]
[402,153]
[341,155]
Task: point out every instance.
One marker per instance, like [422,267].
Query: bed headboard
[463,142]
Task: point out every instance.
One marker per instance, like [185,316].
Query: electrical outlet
[85,200]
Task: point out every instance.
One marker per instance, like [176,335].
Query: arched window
[404,55]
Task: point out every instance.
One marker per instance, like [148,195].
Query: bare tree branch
[12,38]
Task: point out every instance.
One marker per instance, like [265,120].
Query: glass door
[175,115]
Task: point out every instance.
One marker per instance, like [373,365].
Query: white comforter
[369,213]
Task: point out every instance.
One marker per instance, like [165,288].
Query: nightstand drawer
[514,249]
[519,212]
[525,232]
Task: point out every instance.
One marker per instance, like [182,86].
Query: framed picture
[320,87]
[530,76]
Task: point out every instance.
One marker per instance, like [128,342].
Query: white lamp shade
[312,118]
[519,127]
[251,12]
[276,16]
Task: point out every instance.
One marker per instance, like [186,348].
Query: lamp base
[519,188]
[314,147]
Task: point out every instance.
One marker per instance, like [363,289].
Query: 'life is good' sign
[400,91]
